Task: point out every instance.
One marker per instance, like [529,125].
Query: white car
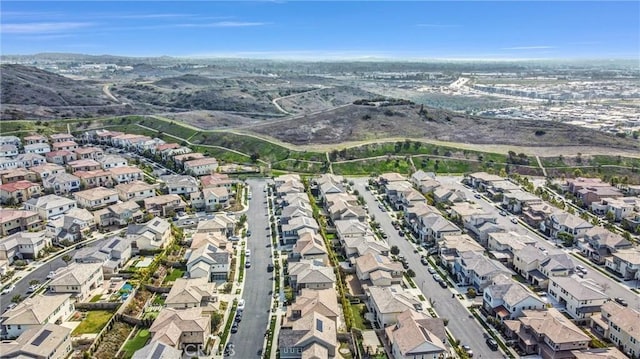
[51,275]
[241,304]
[8,289]
[247,252]
[514,220]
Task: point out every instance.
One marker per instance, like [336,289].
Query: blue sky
[325,30]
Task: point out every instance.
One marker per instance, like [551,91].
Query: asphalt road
[463,327]
[39,274]
[258,282]
[612,287]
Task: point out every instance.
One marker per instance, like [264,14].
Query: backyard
[136,342]
[93,322]
[175,274]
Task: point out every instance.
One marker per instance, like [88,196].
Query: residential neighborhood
[121,257]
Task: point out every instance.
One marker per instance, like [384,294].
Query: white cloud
[42,27]
[529,48]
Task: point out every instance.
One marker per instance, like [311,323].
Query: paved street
[461,325]
[250,336]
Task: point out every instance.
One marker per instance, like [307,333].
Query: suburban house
[119,214]
[46,170]
[61,137]
[61,183]
[211,199]
[61,157]
[312,336]
[580,298]
[536,215]
[599,243]
[23,245]
[112,161]
[180,184]
[359,246]
[417,335]
[7,163]
[626,262]
[96,198]
[301,209]
[79,279]
[64,146]
[351,228]
[482,180]
[310,274]
[192,292]
[89,153]
[37,148]
[475,269]
[178,328]
[310,246]
[216,180]
[378,269]
[113,255]
[83,165]
[50,205]
[506,299]
[34,312]
[48,341]
[536,266]
[387,303]
[435,228]
[208,262]
[165,205]
[453,246]
[201,239]
[152,235]
[502,245]
[564,222]
[159,349]
[97,178]
[18,192]
[590,195]
[71,226]
[28,160]
[18,174]
[126,174]
[33,139]
[220,223]
[8,150]
[344,209]
[290,232]
[12,221]
[184,157]
[135,191]
[515,201]
[620,325]
[323,301]
[546,333]
[620,208]
[201,167]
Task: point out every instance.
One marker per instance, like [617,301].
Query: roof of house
[570,220]
[461,243]
[157,350]
[91,174]
[201,162]
[300,222]
[370,262]
[529,254]
[309,244]
[557,262]
[631,255]
[179,180]
[486,177]
[210,254]
[351,227]
[510,291]
[96,193]
[122,207]
[323,301]
[50,201]
[162,200]
[35,310]
[626,318]
[47,167]
[135,186]
[219,223]
[482,265]
[190,290]
[313,327]
[155,225]
[75,274]
[21,238]
[171,323]
[580,289]
[8,215]
[311,271]
[215,179]
[18,186]
[37,342]
[84,163]
[553,325]
[393,299]
[392,177]
[218,192]
[61,177]
[604,237]
[417,332]
[599,353]
[124,170]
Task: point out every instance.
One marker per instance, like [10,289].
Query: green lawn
[358,318]
[175,274]
[96,298]
[94,322]
[136,343]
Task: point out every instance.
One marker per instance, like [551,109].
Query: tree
[471,292]
[395,250]
[411,273]
[610,216]
[16,298]
[34,282]
[255,156]
[67,258]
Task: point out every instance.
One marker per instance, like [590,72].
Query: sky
[326,29]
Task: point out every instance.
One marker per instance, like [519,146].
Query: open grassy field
[366,167]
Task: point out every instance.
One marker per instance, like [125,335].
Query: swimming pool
[127,287]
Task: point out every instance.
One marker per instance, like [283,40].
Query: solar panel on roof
[114,243]
[157,353]
[156,223]
[41,337]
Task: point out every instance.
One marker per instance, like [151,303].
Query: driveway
[461,325]
[250,336]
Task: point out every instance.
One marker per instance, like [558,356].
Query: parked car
[621,301]
[401,233]
[249,233]
[8,289]
[11,306]
[51,275]
[269,267]
[514,220]
[492,344]
[32,288]
[424,261]
[467,349]
[442,283]
[503,213]
[431,270]
[234,328]
[437,277]
[477,195]
[247,264]
[241,304]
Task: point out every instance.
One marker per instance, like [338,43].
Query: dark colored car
[442,283]
[270,268]
[234,328]
[621,301]
[492,344]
